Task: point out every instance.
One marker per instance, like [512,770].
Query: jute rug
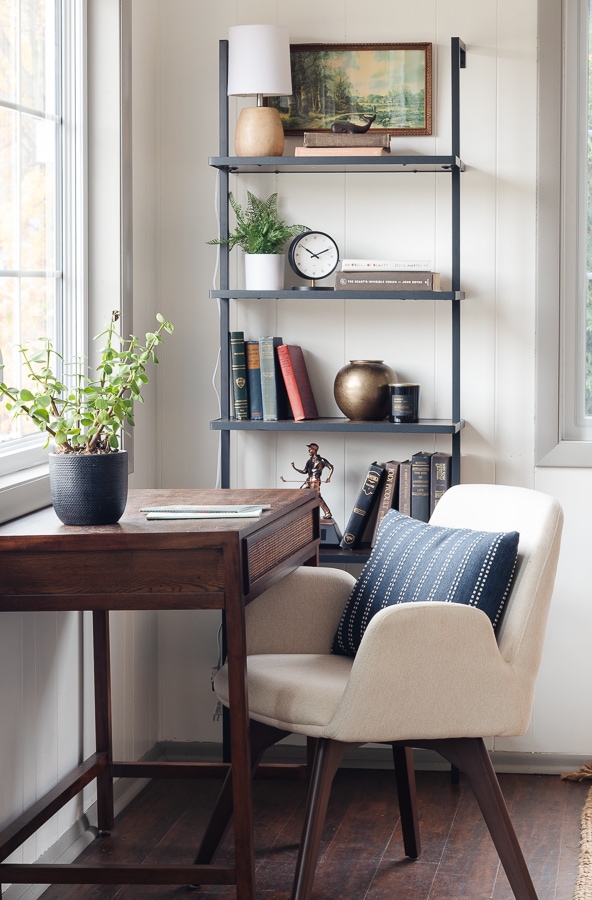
[583,888]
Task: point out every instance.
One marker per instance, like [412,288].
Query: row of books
[379,280]
[413,486]
[269,380]
[386,275]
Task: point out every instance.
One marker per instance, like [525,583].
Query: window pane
[8,308]
[588,393]
[37,310]
[37,177]
[30,247]
[8,49]
[9,236]
[38,56]
[27,315]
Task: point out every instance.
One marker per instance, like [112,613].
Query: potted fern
[261,233]
[83,415]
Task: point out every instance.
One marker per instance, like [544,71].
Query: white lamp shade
[259,61]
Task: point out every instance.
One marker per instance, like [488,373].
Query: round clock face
[313,254]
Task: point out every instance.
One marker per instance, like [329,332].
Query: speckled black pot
[88,489]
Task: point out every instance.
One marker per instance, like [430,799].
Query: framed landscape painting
[391,84]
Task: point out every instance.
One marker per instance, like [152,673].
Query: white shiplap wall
[162,663]
[403,215]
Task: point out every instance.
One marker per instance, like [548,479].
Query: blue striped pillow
[414,561]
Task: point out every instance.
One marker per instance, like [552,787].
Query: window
[564,320]
[576,213]
[40,195]
[588,378]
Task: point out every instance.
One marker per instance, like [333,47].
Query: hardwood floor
[361,855]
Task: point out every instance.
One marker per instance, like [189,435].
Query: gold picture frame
[346,82]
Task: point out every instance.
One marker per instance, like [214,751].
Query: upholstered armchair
[424,673]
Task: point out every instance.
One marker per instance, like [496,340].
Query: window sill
[568,454]
[24,492]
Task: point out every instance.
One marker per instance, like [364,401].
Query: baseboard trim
[83,832]
[375,756]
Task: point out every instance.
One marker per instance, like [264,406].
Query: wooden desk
[160,565]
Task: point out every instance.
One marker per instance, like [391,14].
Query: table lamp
[259,66]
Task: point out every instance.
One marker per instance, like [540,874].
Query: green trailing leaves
[84,414]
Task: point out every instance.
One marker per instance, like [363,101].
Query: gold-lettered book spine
[238,370]
[365,501]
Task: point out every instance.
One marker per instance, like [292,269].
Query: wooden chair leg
[261,737]
[405,777]
[327,759]
[311,749]
[471,757]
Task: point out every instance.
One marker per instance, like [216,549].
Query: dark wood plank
[362,851]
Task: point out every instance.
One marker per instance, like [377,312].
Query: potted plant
[262,235]
[84,417]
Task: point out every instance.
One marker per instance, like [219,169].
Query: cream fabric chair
[427,674]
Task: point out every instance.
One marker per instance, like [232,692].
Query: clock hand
[311,253]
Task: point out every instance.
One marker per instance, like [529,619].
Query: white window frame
[101,250]
[23,461]
[563,438]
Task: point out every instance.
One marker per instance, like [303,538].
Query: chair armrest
[300,613]
[431,670]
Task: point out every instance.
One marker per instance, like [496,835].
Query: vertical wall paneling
[162,661]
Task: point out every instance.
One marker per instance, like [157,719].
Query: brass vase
[362,391]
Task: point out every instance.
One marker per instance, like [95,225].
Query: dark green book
[238,373]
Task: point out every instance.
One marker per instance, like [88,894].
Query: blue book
[276,405]
[360,514]
[254,379]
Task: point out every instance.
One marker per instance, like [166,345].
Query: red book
[297,382]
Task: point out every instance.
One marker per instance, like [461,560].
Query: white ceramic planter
[264,271]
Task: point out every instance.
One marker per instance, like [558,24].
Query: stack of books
[326,143]
[412,487]
[386,275]
[269,380]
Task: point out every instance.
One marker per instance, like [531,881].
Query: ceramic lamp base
[259,132]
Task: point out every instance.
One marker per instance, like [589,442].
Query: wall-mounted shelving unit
[449,166]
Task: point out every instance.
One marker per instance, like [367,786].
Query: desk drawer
[125,579]
[278,544]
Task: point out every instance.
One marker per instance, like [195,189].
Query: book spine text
[363,507]
[240,394]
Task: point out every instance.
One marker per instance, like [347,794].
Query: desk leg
[102,675]
[240,753]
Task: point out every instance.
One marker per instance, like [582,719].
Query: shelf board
[335,295]
[390,162]
[337,555]
[339,424]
